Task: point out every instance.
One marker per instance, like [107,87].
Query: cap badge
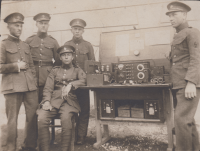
[65,48]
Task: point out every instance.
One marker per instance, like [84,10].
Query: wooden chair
[74,130]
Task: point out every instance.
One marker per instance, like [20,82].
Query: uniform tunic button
[174,47]
[174,56]
[76,44]
[24,71]
[173,64]
[41,39]
[76,55]
[19,48]
[64,74]
[40,54]
[40,49]
[65,70]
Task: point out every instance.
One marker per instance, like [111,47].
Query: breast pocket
[83,55]
[12,55]
[48,50]
[34,50]
[180,45]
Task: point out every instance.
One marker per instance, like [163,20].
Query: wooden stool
[74,130]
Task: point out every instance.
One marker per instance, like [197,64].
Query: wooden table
[133,92]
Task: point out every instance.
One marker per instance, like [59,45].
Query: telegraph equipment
[97,74]
[157,75]
[132,72]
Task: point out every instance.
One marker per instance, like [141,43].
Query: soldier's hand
[22,65]
[47,106]
[66,90]
[190,90]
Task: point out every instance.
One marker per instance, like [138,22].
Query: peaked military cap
[177,7]
[66,49]
[78,22]
[14,18]
[42,16]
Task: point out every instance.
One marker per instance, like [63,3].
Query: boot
[66,140]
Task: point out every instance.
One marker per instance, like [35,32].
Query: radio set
[124,73]
[97,74]
[157,74]
[132,72]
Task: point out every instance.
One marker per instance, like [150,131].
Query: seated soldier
[59,98]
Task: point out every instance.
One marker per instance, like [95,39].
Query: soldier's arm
[55,55]
[7,67]
[32,67]
[91,53]
[81,79]
[49,87]
[193,69]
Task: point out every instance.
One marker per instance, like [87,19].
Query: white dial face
[140,67]
[140,75]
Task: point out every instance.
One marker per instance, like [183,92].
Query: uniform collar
[182,26]
[41,35]
[64,66]
[13,38]
[77,40]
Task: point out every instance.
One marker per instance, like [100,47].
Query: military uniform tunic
[59,77]
[43,51]
[18,85]
[84,51]
[14,50]
[185,66]
[184,57]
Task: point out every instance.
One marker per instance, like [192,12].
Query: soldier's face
[43,26]
[66,58]
[177,18]
[15,29]
[77,31]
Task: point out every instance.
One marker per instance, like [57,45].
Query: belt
[43,63]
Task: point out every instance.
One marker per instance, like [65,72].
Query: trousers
[13,103]
[187,138]
[44,119]
[83,120]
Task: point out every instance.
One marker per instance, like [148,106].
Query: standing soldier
[43,50]
[84,51]
[185,74]
[18,83]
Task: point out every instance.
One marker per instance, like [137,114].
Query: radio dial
[140,75]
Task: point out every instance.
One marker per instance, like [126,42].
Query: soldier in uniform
[59,97]
[84,51]
[185,75]
[18,83]
[43,50]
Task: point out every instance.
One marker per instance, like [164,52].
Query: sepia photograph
[109,75]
